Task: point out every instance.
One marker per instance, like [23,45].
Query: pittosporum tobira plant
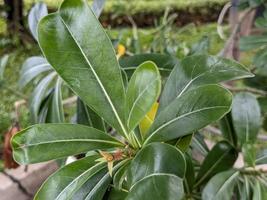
[145,159]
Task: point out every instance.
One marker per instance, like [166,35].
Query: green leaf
[156,158]
[246,117]
[87,116]
[184,142]
[227,128]
[142,92]
[38,95]
[44,142]
[157,186]
[189,179]
[65,182]
[259,192]
[252,42]
[249,153]
[55,113]
[221,158]
[86,62]
[190,112]
[261,157]
[32,68]
[99,188]
[164,62]
[120,176]
[221,186]
[116,194]
[38,11]
[197,70]
[199,144]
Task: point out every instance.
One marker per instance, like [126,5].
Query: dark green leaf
[221,158]
[157,186]
[66,181]
[86,62]
[227,128]
[44,142]
[142,92]
[189,179]
[156,158]
[184,142]
[221,186]
[87,116]
[194,71]
[117,194]
[246,117]
[190,112]
[120,176]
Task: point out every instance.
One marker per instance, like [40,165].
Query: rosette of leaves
[240,128]
[131,163]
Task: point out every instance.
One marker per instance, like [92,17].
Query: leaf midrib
[82,174]
[182,116]
[137,99]
[97,78]
[68,140]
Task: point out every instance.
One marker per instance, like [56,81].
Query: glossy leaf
[157,186]
[227,128]
[221,186]
[148,120]
[164,62]
[55,113]
[190,112]
[221,158]
[184,142]
[31,68]
[66,181]
[87,116]
[38,11]
[120,176]
[189,179]
[38,95]
[142,92]
[117,194]
[156,158]
[246,117]
[194,71]
[86,62]
[57,141]
[99,188]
